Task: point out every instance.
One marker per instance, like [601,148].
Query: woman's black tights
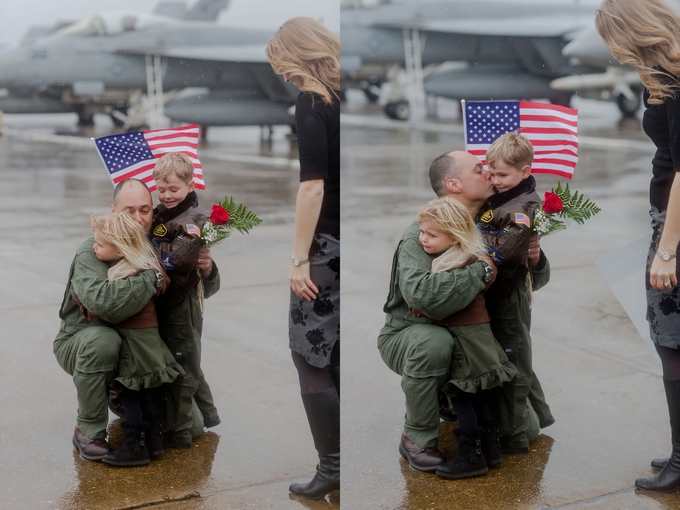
[314,379]
[471,409]
[670,361]
[137,405]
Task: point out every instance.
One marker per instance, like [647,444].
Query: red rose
[551,203]
[219,215]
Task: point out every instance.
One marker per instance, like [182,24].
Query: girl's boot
[668,479]
[323,414]
[134,451]
[470,460]
[154,438]
[491,446]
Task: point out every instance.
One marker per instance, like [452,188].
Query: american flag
[133,155]
[551,129]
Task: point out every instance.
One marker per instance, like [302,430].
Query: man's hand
[204,262]
[534,252]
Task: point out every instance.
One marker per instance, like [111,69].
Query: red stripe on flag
[545,106]
[538,143]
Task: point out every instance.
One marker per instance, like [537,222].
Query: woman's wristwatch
[297,262]
[664,255]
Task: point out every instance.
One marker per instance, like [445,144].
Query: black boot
[154,438]
[134,451]
[668,479]
[470,460]
[491,446]
[323,414]
[659,463]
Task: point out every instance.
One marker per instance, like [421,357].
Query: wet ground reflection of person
[308,55]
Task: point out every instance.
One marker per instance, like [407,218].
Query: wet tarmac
[49,186]
[602,382]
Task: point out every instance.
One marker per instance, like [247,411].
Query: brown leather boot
[90,449]
[421,459]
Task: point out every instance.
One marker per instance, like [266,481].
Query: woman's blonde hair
[448,215]
[305,49]
[128,237]
[644,33]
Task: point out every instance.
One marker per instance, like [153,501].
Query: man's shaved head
[133,196]
[442,169]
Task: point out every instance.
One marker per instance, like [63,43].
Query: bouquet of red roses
[225,218]
[560,202]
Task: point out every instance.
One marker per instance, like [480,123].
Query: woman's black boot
[470,460]
[134,451]
[668,479]
[491,446]
[323,414]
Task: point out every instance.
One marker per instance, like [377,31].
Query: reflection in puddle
[178,474]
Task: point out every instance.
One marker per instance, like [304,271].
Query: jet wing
[245,53]
[538,26]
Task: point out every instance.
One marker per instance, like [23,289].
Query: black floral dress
[314,326]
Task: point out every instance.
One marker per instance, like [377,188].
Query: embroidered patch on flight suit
[160,230]
[522,219]
[487,230]
[193,229]
[495,256]
[168,262]
[158,240]
[487,216]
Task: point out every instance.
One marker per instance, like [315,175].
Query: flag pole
[462,109]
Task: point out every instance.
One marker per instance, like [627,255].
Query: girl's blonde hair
[304,48]
[644,33]
[448,215]
[128,237]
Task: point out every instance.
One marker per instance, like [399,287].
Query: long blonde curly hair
[449,216]
[304,48]
[644,33]
[128,237]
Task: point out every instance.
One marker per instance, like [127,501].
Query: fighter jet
[508,50]
[106,63]
[610,81]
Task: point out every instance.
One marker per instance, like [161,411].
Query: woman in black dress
[308,55]
[646,34]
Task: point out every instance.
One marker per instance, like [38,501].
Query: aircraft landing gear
[85,116]
[119,115]
[398,110]
[371,89]
[627,106]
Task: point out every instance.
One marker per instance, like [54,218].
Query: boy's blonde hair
[448,215]
[128,237]
[644,33]
[511,148]
[174,163]
[304,48]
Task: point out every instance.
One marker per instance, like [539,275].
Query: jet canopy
[114,23]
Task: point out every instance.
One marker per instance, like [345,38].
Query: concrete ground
[601,380]
[49,186]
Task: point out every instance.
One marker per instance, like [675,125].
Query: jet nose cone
[589,48]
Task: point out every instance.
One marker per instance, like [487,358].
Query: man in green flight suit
[415,348]
[88,349]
